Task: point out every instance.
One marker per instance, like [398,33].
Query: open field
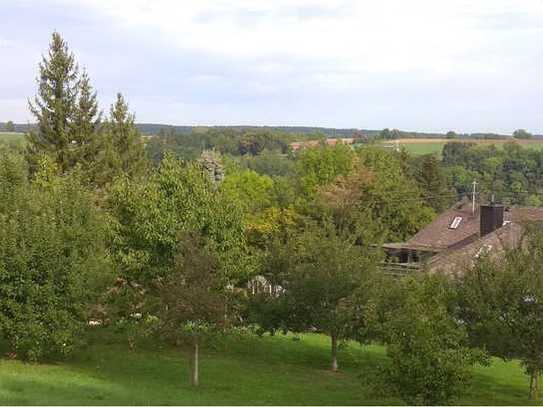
[11,138]
[243,370]
[435,146]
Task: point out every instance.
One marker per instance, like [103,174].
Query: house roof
[457,248]
[439,235]
[456,261]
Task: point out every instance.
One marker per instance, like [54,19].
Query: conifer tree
[125,139]
[54,105]
[86,125]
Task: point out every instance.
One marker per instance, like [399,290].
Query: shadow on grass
[235,370]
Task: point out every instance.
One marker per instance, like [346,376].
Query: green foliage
[195,302]
[253,191]
[319,166]
[66,110]
[193,296]
[9,127]
[225,140]
[387,134]
[52,259]
[513,174]
[323,279]
[393,200]
[430,360]
[269,163]
[177,197]
[501,304]
[522,134]
[433,183]
[451,135]
[54,105]
[86,121]
[123,151]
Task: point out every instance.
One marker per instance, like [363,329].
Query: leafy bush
[52,259]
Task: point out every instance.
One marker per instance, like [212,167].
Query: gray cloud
[396,79]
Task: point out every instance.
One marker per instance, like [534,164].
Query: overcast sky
[429,65]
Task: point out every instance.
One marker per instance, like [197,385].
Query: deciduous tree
[430,357]
[325,279]
[53,261]
[9,126]
[195,298]
[501,303]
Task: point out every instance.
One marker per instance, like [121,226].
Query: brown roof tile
[457,261]
[439,235]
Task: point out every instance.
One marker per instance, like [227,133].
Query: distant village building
[457,237]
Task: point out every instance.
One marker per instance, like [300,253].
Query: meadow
[435,146]
[238,370]
[11,138]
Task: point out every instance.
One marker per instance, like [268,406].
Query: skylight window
[456,222]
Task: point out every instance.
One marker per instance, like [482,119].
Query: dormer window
[456,222]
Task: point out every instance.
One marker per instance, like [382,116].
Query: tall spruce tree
[127,151]
[66,109]
[85,126]
[54,105]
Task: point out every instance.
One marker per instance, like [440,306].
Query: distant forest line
[330,132]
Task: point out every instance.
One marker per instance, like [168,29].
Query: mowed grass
[240,370]
[435,146]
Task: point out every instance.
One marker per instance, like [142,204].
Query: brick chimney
[491,218]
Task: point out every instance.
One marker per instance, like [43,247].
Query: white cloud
[419,64]
[386,35]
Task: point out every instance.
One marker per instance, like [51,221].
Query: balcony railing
[400,269]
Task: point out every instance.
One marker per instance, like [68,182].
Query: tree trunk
[334,352]
[534,383]
[194,366]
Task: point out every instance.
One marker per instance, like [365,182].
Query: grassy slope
[249,370]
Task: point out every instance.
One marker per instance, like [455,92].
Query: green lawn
[244,370]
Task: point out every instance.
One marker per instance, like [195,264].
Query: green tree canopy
[177,197]
[501,304]
[9,126]
[430,357]
[319,166]
[522,134]
[325,278]
[195,302]
[53,261]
